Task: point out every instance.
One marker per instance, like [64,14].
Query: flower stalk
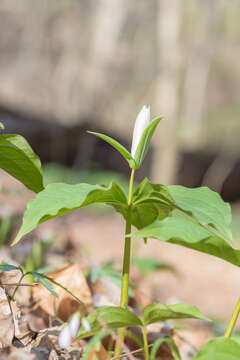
[127,248]
[145,343]
[233,320]
[126,262]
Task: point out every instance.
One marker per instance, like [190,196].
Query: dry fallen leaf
[45,346]
[8,320]
[164,352]
[72,278]
[98,354]
[21,354]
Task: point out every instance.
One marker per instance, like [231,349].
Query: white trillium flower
[74,324]
[142,121]
[65,337]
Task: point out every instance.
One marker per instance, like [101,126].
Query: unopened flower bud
[142,121]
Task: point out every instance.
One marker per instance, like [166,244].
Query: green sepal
[116,145]
[145,141]
[132,164]
[2,127]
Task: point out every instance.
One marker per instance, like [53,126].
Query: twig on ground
[131,352]
[17,284]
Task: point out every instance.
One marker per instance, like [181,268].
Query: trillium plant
[194,218]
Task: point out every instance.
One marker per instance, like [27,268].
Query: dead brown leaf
[72,278]
[45,346]
[99,354]
[21,354]
[164,352]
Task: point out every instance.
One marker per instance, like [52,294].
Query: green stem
[127,248]
[233,320]
[130,191]
[126,263]
[17,287]
[145,342]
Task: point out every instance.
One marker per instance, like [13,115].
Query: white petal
[65,338]
[142,121]
[74,325]
[86,325]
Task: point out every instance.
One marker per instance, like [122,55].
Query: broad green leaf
[44,282]
[2,127]
[219,349]
[159,342]
[150,202]
[236,337]
[18,159]
[195,218]
[187,232]
[116,145]
[159,312]
[155,202]
[206,206]
[147,265]
[8,267]
[58,199]
[114,317]
[144,141]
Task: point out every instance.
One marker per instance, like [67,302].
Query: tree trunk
[193,125]
[166,102]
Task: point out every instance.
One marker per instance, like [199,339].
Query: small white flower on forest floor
[142,121]
[65,337]
[86,325]
[74,324]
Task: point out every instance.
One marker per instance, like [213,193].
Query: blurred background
[67,66]
[71,65]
